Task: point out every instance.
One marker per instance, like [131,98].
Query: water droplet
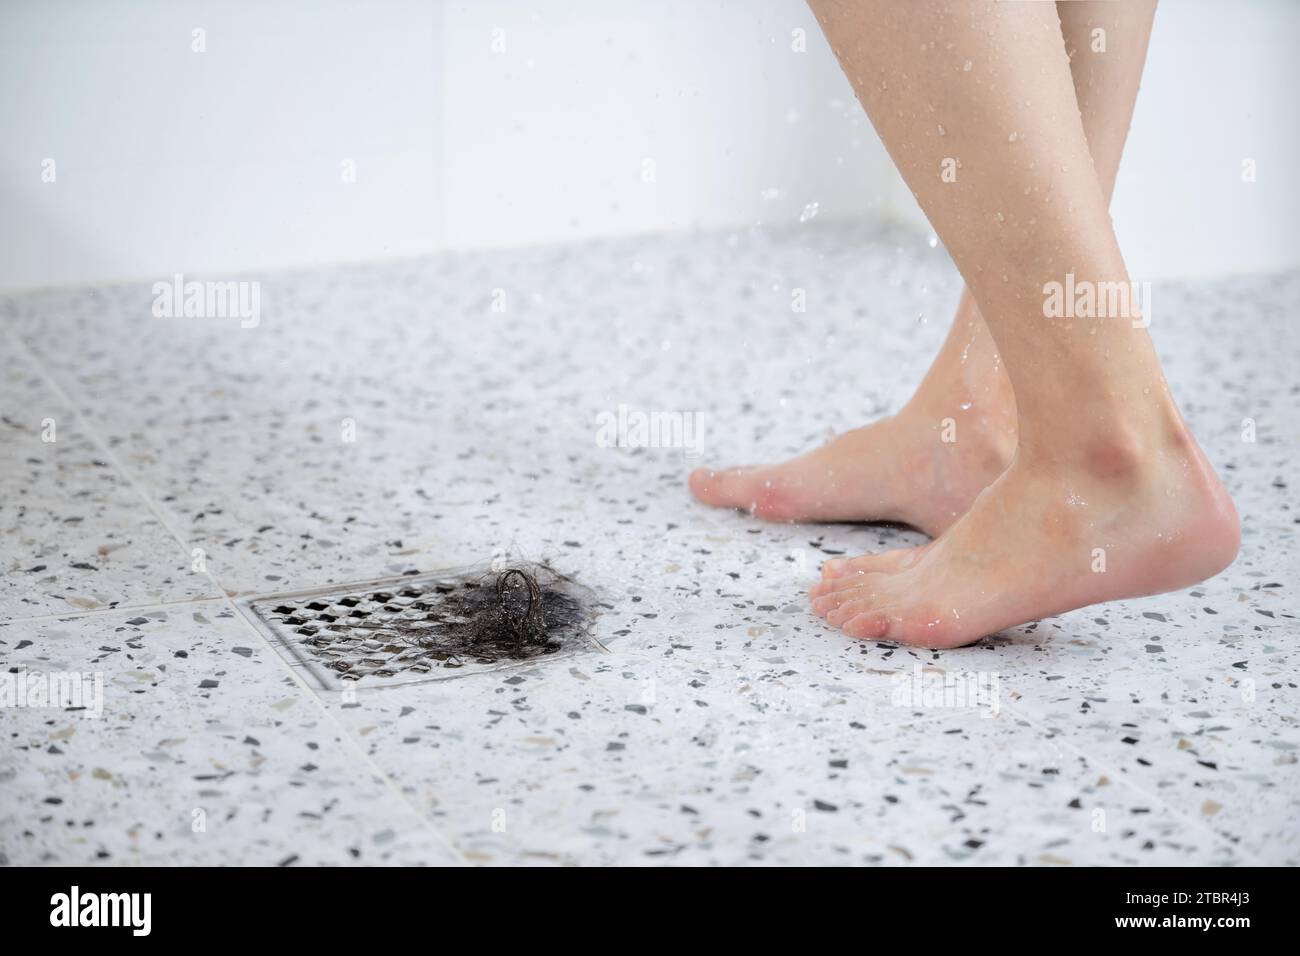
[1013,137]
[809,211]
[941,130]
[967,66]
[965,406]
[934,241]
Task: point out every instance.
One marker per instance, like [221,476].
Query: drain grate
[428,627]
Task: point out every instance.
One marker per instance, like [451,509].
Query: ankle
[1118,452]
[989,406]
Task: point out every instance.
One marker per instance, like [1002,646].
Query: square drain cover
[428,627]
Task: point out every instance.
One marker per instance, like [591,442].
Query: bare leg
[1108,495]
[899,468]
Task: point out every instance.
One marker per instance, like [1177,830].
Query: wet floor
[392,421]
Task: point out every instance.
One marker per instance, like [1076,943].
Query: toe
[835,567]
[728,488]
[933,627]
[826,599]
[897,559]
[892,615]
[760,490]
[823,604]
[849,582]
[835,585]
[850,609]
[868,625]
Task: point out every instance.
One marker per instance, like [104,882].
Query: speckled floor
[712,719]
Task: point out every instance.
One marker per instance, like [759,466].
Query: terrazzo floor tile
[279,505]
[131,369]
[527,741]
[419,415]
[633,762]
[1216,748]
[74,534]
[205,752]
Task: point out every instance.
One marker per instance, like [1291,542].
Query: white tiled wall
[495,123]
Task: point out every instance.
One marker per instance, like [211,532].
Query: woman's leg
[898,469]
[1108,495]
[1106,69]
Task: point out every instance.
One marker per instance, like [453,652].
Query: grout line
[93,436]
[98,611]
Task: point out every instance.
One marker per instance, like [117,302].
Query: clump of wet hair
[508,614]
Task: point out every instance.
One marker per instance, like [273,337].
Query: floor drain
[428,627]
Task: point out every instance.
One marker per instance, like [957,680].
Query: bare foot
[1120,521]
[922,467]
